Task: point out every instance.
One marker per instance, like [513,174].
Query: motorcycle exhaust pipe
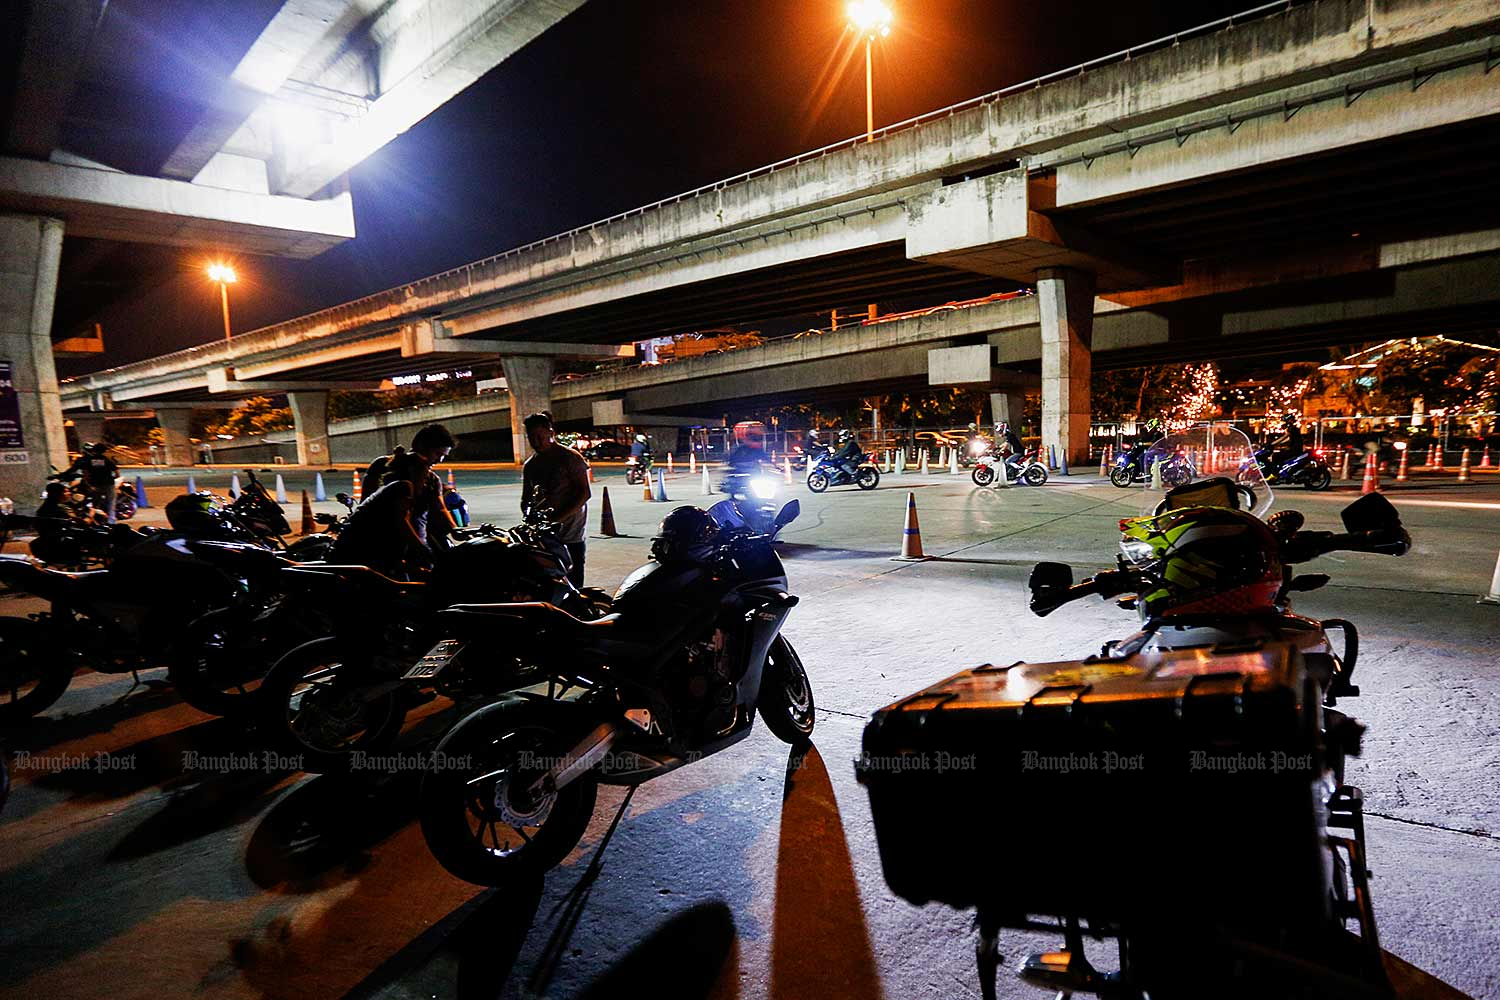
[578,761]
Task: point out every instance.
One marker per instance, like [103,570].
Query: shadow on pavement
[802,550]
[49,731]
[820,944]
[683,959]
[323,830]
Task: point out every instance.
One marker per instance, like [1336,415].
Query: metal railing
[397,295]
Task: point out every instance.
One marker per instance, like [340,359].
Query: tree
[256,416]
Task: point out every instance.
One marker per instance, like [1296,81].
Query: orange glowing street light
[870,18]
[224,275]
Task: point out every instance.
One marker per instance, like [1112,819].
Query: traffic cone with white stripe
[1493,597]
[911,533]
[234,485]
[1463,466]
[450,479]
[358,491]
[1344,470]
[953,462]
[786,471]
[661,487]
[1372,478]
[280,489]
[607,517]
[1484,459]
[670,466]
[1401,469]
[1104,462]
[924,469]
[692,463]
[708,487]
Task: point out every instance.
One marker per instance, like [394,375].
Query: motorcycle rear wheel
[786,696]
[478,821]
[33,672]
[1121,477]
[304,711]
[817,482]
[867,478]
[1319,479]
[222,658]
[1036,475]
[983,475]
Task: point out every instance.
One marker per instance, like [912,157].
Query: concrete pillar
[663,440]
[88,427]
[310,417]
[32,438]
[1065,298]
[178,447]
[529,381]
[1007,406]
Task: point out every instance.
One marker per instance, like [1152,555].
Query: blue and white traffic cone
[661,487]
[1062,460]
[192,486]
[319,494]
[140,493]
[280,489]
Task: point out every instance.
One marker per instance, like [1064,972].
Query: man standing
[555,481]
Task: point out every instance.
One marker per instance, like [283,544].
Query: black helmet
[97,448]
[687,534]
[845,434]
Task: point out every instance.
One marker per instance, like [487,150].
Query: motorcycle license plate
[435,659]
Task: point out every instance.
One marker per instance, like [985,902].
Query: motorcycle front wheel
[1121,476]
[124,508]
[1035,475]
[817,481]
[634,476]
[786,698]
[34,673]
[307,710]
[867,478]
[983,475]
[480,819]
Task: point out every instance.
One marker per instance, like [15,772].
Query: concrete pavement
[727,878]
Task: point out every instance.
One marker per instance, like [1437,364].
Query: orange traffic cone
[1401,469]
[786,471]
[1104,462]
[450,479]
[591,473]
[1463,466]
[646,492]
[1372,478]
[607,517]
[670,466]
[358,493]
[308,524]
[1436,461]
[911,534]
[1484,460]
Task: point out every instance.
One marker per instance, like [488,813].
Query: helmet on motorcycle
[54,491]
[1204,560]
[195,512]
[845,435]
[687,534]
[641,438]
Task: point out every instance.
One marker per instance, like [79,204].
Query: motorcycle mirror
[1049,578]
[344,499]
[788,513]
[1306,582]
[1371,512]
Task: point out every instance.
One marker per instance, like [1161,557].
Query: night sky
[623,103]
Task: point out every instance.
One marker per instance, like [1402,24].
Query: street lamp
[870,18]
[225,276]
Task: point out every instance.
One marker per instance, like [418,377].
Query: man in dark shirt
[555,483]
[429,514]
[98,472]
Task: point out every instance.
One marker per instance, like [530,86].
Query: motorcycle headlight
[764,488]
[1136,551]
[7,507]
[976,447]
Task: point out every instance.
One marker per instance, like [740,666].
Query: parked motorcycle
[349,690]
[253,516]
[1307,470]
[314,547]
[1212,732]
[1131,468]
[828,471]
[690,653]
[122,619]
[1027,469]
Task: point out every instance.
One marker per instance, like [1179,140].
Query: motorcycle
[125,618]
[87,503]
[751,503]
[314,547]
[828,471]
[1026,469]
[1131,468]
[690,653]
[1307,470]
[1218,736]
[348,691]
[636,470]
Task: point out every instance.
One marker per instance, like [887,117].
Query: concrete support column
[178,447]
[663,440]
[88,427]
[32,438]
[1065,298]
[1007,406]
[529,381]
[310,417]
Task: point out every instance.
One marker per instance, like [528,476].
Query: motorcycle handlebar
[1306,545]
[1108,583]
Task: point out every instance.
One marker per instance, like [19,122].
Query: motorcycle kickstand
[592,871]
[987,954]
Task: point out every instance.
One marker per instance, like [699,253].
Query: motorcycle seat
[540,611]
[353,573]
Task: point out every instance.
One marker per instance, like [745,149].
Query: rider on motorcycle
[849,455]
[98,472]
[1008,444]
[640,452]
[1290,445]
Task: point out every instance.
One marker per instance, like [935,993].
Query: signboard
[11,437]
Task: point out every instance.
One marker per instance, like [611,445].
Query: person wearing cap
[555,485]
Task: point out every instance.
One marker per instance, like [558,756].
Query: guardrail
[464,274]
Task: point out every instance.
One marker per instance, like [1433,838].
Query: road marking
[1473,504]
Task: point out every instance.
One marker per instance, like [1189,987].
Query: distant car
[607,451]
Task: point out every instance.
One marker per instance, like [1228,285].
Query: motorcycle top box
[1121,790]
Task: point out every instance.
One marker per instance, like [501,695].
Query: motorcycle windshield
[1206,465]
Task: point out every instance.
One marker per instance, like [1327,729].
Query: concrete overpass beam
[310,417]
[175,425]
[1007,407]
[32,437]
[1066,301]
[529,382]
